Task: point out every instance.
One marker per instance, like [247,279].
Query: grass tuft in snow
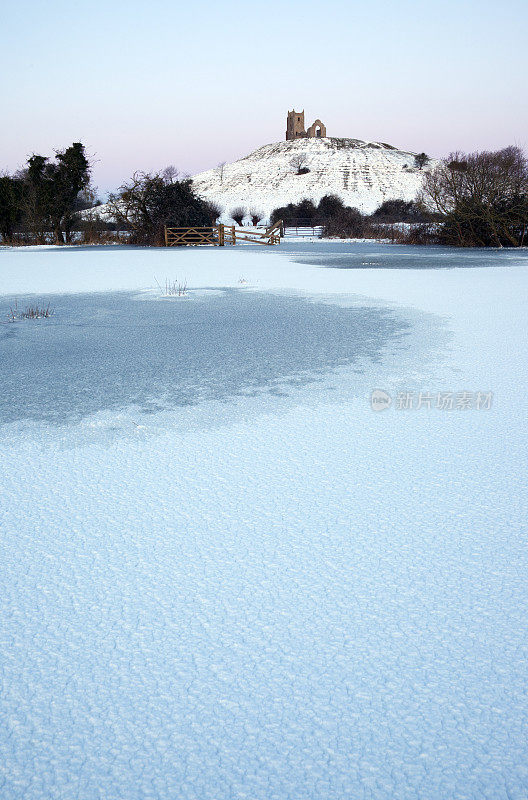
[30,312]
[173,288]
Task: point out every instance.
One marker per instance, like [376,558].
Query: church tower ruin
[295,127]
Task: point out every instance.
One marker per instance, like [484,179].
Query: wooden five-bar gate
[221,235]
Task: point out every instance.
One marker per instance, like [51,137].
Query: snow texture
[223,575]
[362,174]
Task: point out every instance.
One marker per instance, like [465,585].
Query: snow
[223,574]
[363,174]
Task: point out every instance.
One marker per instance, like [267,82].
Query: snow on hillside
[363,174]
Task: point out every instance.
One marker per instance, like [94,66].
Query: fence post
[166,237]
[221,235]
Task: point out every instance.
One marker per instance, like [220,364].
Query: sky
[148,84]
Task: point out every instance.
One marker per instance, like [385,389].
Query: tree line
[43,203]
[469,200]
[339,220]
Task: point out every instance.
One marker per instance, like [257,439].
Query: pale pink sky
[146,85]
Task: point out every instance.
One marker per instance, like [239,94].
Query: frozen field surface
[223,575]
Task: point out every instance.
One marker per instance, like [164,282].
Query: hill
[362,174]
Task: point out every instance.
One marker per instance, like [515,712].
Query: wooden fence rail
[221,235]
[182,236]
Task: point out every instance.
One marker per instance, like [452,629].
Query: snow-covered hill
[363,174]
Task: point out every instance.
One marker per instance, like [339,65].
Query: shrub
[295,213]
[421,160]
[337,219]
[423,233]
[149,202]
[349,223]
[399,211]
[238,214]
[215,211]
[329,206]
[483,198]
[300,164]
[52,190]
[10,206]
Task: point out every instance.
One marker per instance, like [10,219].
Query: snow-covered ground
[223,574]
[362,174]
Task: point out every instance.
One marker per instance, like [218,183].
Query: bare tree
[170,174]
[300,164]
[421,159]
[483,198]
[220,168]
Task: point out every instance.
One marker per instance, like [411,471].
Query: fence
[271,235]
[183,236]
[221,235]
[313,231]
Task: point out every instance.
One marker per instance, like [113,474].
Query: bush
[349,223]
[330,206]
[483,198]
[423,233]
[300,165]
[238,214]
[52,190]
[336,218]
[399,211]
[43,197]
[214,211]
[421,160]
[149,202]
[304,213]
[11,193]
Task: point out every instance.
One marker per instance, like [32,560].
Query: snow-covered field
[223,574]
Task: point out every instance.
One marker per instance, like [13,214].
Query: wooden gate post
[221,235]
[166,237]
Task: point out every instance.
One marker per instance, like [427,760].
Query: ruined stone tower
[295,127]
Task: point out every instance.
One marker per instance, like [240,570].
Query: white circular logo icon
[380,400]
